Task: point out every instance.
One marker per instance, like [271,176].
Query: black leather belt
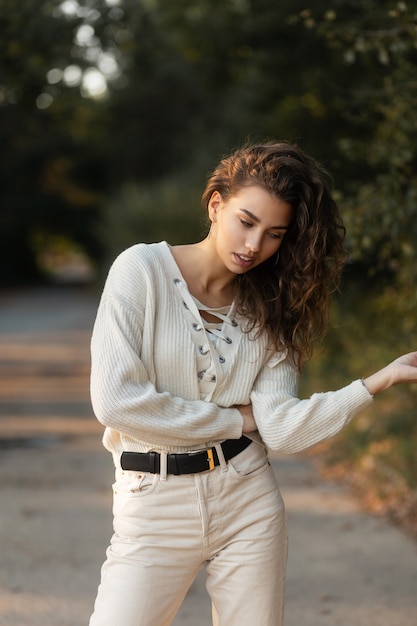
[188,463]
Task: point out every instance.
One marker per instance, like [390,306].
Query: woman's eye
[245,223]
[276,235]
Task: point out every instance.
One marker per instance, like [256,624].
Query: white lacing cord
[215,331]
[194,305]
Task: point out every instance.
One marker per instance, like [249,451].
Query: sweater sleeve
[122,395]
[289,424]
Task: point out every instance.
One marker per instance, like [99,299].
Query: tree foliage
[51,174]
[380,194]
[184,83]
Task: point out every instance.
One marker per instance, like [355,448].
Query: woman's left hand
[401,370]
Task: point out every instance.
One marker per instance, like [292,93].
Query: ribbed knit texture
[145,383]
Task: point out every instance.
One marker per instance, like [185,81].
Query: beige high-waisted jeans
[230,519]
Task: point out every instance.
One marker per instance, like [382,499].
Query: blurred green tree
[52,166]
[96,94]
[379,195]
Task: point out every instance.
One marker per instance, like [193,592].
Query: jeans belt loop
[220,456]
[163,466]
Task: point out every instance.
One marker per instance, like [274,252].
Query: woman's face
[248,227]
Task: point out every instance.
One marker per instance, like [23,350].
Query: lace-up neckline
[214,329]
[216,341]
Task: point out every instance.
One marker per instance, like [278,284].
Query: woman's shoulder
[134,269]
[140,254]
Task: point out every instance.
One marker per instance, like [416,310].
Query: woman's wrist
[379,381]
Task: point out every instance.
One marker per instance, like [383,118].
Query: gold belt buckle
[210,459]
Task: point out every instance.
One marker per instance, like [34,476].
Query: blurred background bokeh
[114,111]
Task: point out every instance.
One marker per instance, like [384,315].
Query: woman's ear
[214,205]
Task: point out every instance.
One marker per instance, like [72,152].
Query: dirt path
[344,567]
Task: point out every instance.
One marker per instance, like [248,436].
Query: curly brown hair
[288,295]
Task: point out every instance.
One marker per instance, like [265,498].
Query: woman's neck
[205,276]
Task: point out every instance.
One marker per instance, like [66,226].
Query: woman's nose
[253,242]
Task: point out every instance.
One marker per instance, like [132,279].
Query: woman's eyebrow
[257,220]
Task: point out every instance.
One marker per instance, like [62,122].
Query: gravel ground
[345,566]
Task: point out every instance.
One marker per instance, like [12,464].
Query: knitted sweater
[159,382]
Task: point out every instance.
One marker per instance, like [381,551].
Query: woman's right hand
[249,424]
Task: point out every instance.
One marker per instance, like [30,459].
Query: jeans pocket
[134,483]
[250,462]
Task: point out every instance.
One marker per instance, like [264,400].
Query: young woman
[196,353]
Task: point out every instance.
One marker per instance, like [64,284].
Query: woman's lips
[243,260]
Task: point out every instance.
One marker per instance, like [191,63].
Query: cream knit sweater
[158,382]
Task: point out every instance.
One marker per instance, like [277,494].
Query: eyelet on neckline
[196,327]
[222,359]
[201,350]
[177,281]
[228,340]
